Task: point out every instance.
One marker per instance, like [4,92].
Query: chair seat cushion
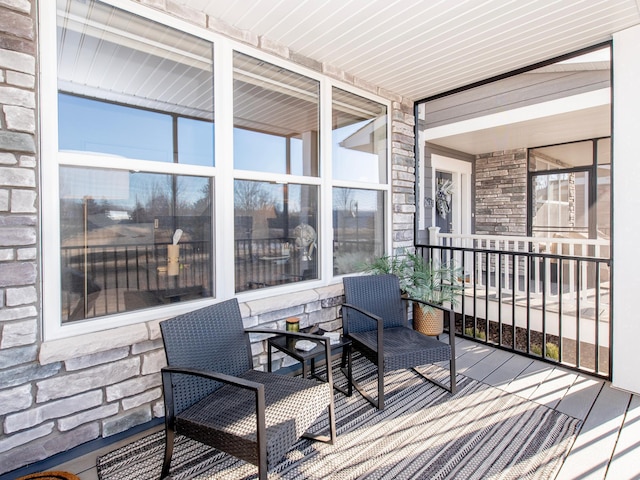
[404,347]
[227,416]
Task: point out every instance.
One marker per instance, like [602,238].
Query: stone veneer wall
[59,394]
[501,193]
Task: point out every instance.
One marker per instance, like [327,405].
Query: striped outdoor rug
[481,432]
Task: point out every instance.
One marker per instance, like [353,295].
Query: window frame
[223,175]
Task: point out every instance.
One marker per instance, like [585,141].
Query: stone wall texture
[501,193]
[59,394]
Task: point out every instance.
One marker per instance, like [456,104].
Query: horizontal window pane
[132,240]
[92,126]
[358,228]
[276,118]
[125,82]
[561,157]
[276,234]
[359,138]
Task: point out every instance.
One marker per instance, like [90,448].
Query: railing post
[433,236]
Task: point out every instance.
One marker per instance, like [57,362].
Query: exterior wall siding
[501,193]
[59,394]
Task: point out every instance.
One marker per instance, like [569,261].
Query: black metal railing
[551,307]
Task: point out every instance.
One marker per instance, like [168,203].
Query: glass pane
[93,126]
[276,234]
[132,240]
[561,157]
[359,138]
[275,115]
[125,82]
[358,228]
[561,205]
[195,142]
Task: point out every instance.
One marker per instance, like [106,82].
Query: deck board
[508,372]
[580,397]
[554,387]
[590,455]
[530,379]
[469,355]
[626,458]
[488,365]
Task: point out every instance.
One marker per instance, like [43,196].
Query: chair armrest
[219,377]
[370,316]
[429,304]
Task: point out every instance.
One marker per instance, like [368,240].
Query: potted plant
[436,283]
[426,280]
[400,266]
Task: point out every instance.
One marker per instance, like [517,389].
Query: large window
[147,179]
[571,189]
[135,98]
[276,126]
[359,150]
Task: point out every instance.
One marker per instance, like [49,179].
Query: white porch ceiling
[419,48]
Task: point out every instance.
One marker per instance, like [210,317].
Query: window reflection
[275,115]
[90,125]
[132,87]
[358,228]
[276,234]
[132,240]
[359,138]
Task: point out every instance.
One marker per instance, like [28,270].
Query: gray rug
[481,432]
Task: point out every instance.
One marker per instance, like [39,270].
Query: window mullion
[224,183]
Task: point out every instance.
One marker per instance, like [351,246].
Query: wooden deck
[608,446]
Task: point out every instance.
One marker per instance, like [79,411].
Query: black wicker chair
[213,395]
[374,317]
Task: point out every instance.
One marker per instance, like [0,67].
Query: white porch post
[626,222]
[433,235]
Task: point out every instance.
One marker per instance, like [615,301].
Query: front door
[451,198]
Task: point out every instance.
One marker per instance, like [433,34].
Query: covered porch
[80,366]
[606,446]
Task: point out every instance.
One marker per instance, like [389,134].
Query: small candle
[293,324]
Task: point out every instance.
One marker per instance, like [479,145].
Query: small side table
[280,342]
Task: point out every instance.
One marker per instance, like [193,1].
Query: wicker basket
[428,321]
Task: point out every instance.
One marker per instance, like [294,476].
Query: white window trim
[222,174]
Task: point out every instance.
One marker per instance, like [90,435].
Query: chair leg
[452,373]
[168,452]
[376,402]
[332,422]
[380,388]
[262,472]
[451,389]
